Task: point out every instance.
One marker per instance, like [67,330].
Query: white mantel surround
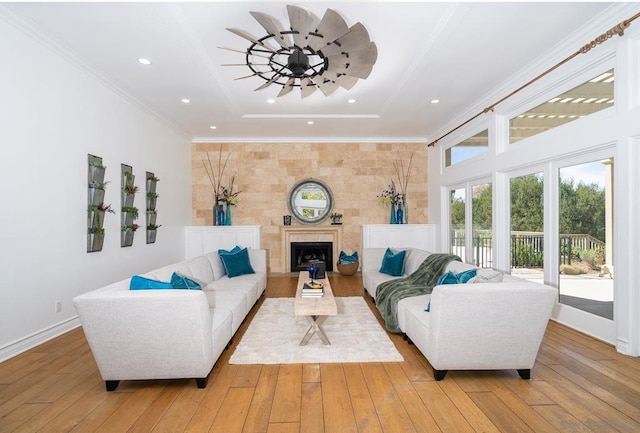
[321,233]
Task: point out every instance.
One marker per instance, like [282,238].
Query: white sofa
[487,326]
[169,333]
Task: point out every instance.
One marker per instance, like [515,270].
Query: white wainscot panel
[421,236]
[204,239]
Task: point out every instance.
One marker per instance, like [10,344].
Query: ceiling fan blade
[358,64]
[307,87]
[346,82]
[246,76]
[250,38]
[273,27]
[302,21]
[244,52]
[356,39]
[326,85]
[331,27]
[244,64]
[268,83]
[287,88]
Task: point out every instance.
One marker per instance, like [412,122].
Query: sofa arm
[148,334]
[258,260]
[487,326]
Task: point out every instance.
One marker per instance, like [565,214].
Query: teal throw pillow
[447,278]
[181,282]
[345,258]
[141,283]
[393,263]
[232,251]
[451,277]
[236,263]
[465,276]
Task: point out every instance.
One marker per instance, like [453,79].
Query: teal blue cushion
[447,278]
[236,263]
[141,283]
[344,258]
[465,276]
[393,264]
[451,277]
[181,282]
[234,250]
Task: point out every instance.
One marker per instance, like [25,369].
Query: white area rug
[275,332]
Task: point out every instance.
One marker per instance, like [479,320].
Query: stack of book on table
[312,289]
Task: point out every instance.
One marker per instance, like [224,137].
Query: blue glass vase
[227,218]
[220,218]
[393,216]
[400,215]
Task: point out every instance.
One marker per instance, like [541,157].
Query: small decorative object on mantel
[336,218]
[396,196]
[222,195]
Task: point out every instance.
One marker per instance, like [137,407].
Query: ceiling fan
[313,54]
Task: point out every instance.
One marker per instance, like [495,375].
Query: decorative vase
[392,215]
[219,214]
[227,220]
[400,215]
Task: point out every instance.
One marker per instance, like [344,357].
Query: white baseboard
[33,340]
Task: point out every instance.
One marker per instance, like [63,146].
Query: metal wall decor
[152,197]
[96,209]
[129,213]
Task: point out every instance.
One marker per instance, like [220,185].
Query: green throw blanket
[421,282]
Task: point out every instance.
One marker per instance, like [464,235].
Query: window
[457,210]
[527,223]
[481,214]
[586,237]
[590,97]
[469,148]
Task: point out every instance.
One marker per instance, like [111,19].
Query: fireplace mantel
[320,233]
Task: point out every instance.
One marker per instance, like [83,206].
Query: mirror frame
[297,188]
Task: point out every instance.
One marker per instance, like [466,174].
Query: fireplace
[303,252]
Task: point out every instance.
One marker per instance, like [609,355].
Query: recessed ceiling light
[271,101]
[144,61]
[310,122]
[185,101]
[351,101]
[435,101]
[213,127]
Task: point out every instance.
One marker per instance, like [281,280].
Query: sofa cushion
[142,283]
[199,270]
[393,263]
[181,282]
[236,263]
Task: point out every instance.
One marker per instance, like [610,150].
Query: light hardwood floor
[578,385]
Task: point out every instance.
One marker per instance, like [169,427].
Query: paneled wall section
[356,173]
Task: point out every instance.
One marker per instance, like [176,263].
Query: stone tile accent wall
[265,172]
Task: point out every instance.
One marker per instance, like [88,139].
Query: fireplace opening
[303,252]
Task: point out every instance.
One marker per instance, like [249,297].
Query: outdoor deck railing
[527,248]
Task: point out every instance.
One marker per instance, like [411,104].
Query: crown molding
[283,140]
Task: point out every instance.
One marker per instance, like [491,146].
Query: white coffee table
[315,309]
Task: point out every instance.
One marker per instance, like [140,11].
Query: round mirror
[310,201]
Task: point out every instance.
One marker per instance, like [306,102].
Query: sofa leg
[111,385]
[201,382]
[439,374]
[525,373]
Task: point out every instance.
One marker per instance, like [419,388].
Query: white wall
[52,114]
[614,132]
